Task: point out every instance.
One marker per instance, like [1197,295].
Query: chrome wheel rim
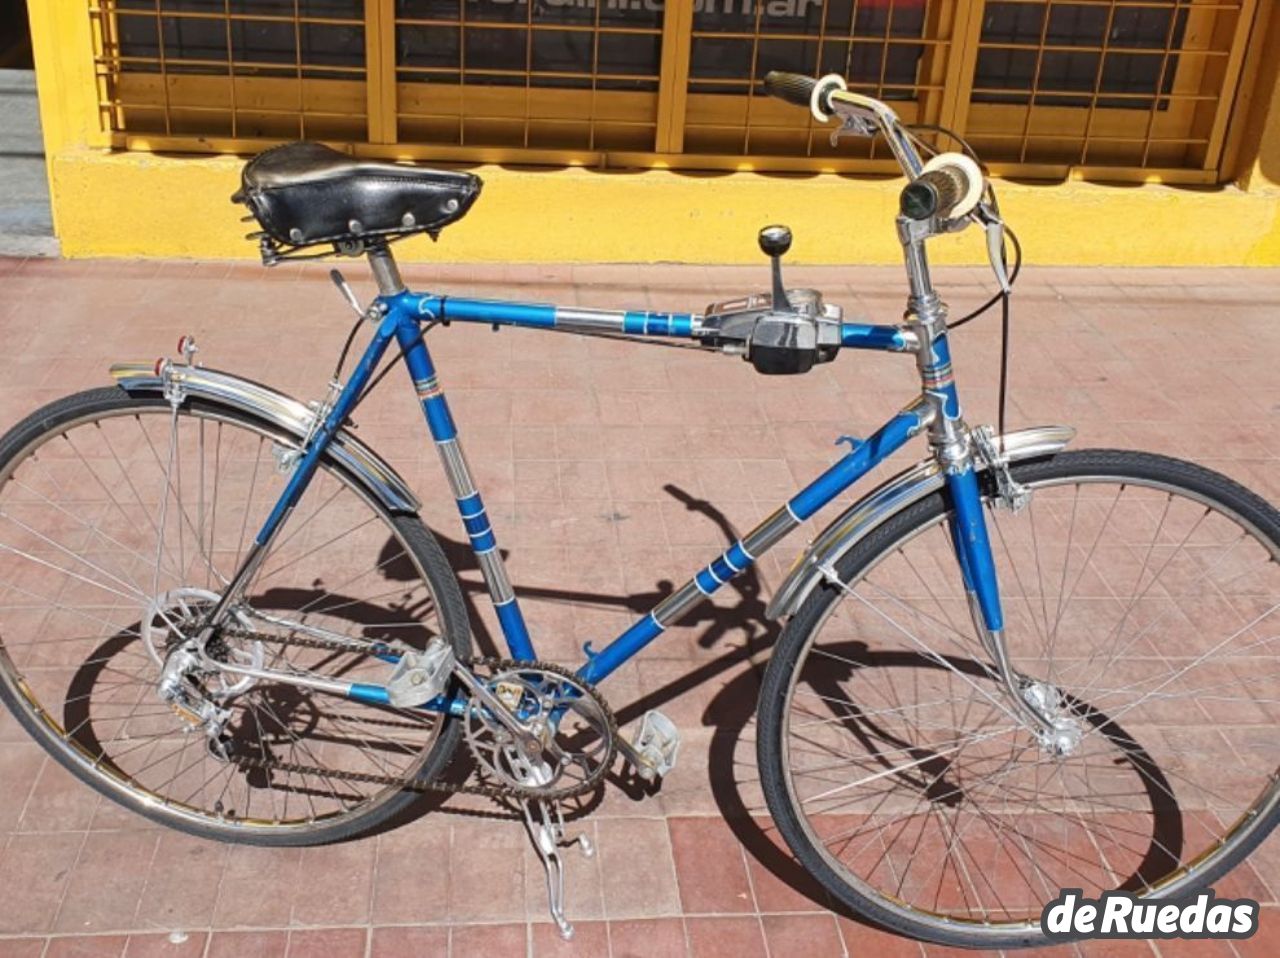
[967,888]
[108,724]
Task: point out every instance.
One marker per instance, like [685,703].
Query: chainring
[574,728]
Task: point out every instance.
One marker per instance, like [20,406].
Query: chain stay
[409,783]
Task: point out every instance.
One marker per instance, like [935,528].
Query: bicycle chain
[409,783]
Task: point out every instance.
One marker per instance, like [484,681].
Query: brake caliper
[1013,495]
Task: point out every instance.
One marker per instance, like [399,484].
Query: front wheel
[1140,598]
[121,522]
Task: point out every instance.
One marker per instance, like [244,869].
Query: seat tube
[470,506]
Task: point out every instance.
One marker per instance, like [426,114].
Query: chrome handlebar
[943,195]
[860,115]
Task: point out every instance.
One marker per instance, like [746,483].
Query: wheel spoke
[1131,605]
[118,523]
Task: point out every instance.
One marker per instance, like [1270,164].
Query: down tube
[864,457]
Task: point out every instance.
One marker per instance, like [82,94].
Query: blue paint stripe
[471,505]
[722,570]
[864,336]
[369,694]
[706,582]
[738,556]
[645,323]
[476,523]
[941,354]
[951,401]
[428,307]
[439,420]
[515,631]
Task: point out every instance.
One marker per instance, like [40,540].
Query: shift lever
[774,242]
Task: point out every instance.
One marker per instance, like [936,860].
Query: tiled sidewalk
[609,468]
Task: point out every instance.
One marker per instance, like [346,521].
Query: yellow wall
[137,204]
[140,204]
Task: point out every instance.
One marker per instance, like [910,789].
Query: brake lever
[993,225]
[851,125]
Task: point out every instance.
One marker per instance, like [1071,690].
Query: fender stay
[281,410]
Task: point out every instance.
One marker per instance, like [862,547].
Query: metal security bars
[240,69]
[1125,89]
[1128,83]
[578,75]
[895,52]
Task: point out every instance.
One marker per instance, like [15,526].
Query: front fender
[280,410]
[910,485]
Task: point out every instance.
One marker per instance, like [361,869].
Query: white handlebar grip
[973,175]
[822,89]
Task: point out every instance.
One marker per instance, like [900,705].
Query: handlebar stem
[912,235]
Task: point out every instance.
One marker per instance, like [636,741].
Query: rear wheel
[1141,597]
[120,524]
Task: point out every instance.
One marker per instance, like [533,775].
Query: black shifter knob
[775,240]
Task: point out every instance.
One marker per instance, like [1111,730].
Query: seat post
[385,270]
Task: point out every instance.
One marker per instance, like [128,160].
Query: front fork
[956,448]
[972,545]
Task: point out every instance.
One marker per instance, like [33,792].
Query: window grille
[1113,88]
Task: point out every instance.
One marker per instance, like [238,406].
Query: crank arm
[528,743]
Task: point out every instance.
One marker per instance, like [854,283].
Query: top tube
[637,323]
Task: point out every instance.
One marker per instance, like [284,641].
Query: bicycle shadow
[731,711]
[748,618]
[746,637]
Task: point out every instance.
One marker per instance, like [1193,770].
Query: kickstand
[545,823]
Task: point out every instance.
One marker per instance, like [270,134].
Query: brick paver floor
[610,470]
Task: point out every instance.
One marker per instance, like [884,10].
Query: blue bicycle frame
[402,316]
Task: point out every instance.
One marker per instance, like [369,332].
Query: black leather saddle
[306,193]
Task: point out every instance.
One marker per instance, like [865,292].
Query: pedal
[655,747]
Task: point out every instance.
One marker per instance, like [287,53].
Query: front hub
[1064,733]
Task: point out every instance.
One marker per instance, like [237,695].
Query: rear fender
[280,410]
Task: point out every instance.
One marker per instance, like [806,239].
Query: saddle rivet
[451,205]
[295,234]
[355,226]
[408,221]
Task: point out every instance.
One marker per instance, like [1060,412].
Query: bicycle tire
[419,547]
[1255,516]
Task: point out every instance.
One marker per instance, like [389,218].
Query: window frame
[368,114]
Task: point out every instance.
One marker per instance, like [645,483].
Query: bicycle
[968,708]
